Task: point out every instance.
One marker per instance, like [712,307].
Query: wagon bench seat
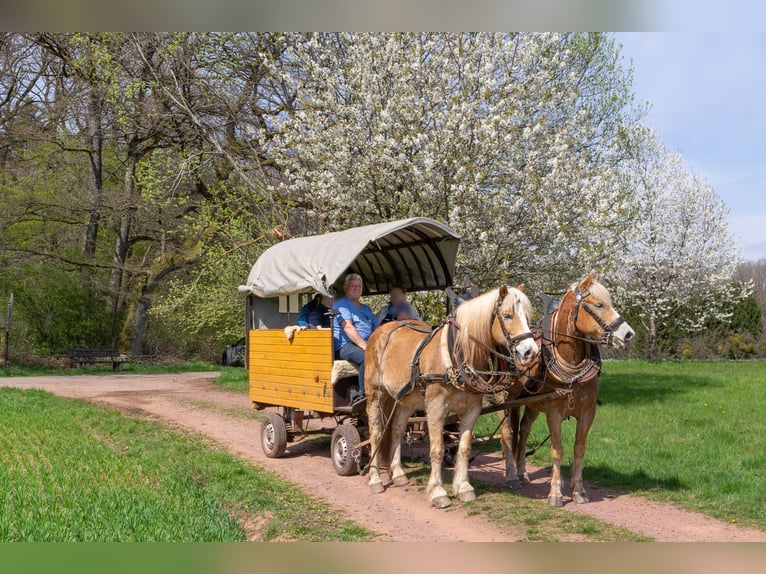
[343,369]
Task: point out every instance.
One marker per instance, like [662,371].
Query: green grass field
[693,433]
[73,471]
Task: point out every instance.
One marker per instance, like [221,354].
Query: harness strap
[415,375]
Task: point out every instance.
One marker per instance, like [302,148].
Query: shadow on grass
[645,385]
[631,482]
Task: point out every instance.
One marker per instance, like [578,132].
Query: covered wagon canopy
[417,253]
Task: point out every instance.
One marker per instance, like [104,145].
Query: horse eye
[599,305]
[507,316]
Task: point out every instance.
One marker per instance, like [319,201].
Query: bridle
[510,342]
[608,329]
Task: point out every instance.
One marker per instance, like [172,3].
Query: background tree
[676,268]
[513,139]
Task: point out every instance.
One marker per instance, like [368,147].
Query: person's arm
[353,334]
[303,318]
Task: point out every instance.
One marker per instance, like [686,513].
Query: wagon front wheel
[273,435]
[344,439]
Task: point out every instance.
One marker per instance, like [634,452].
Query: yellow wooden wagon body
[294,372]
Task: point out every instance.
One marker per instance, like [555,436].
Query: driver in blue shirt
[352,327]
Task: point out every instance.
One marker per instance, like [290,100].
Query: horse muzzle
[525,352]
[621,337]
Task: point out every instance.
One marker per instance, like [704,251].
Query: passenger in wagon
[398,308]
[316,313]
[353,325]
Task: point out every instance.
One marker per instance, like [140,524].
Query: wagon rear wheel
[344,438]
[273,435]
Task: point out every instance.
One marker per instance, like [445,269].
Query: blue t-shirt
[363,319]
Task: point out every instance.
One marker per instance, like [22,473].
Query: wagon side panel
[292,373]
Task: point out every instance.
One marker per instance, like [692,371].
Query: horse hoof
[377,488]
[580,498]
[524,478]
[513,483]
[441,502]
[467,495]
[556,501]
[401,480]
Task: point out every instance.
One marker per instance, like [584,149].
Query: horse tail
[387,406]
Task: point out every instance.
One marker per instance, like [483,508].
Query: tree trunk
[140,320]
[651,338]
[122,242]
[95,192]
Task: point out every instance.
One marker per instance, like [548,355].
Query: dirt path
[190,401]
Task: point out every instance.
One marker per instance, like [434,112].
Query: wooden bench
[84,357]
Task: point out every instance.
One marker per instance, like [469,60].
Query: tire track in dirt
[400,514]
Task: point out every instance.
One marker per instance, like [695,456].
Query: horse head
[595,317]
[510,327]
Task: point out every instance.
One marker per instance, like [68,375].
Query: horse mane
[475,319]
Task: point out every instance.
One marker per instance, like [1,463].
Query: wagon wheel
[273,435]
[344,439]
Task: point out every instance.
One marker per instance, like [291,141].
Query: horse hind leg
[398,426]
[376,429]
[524,428]
[460,485]
[508,441]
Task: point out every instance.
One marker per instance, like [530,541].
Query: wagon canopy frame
[417,253]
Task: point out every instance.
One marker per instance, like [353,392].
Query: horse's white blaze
[526,350]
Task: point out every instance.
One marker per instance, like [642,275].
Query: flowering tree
[678,263]
[513,139]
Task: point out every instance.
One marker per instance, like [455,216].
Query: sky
[707,96]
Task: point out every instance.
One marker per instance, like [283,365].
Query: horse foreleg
[508,426]
[398,426]
[584,422]
[460,485]
[376,429]
[525,427]
[435,411]
[555,497]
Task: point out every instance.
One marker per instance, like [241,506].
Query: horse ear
[521,287]
[502,293]
[587,282]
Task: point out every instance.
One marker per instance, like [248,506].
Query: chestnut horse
[409,367]
[569,363]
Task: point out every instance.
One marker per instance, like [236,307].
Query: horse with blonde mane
[570,364]
[409,367]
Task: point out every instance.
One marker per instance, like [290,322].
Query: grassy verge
[72,471]
[234,378]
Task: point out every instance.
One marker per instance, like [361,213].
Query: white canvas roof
[418,253]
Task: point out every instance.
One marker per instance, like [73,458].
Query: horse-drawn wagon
[485,346]
[295,369]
